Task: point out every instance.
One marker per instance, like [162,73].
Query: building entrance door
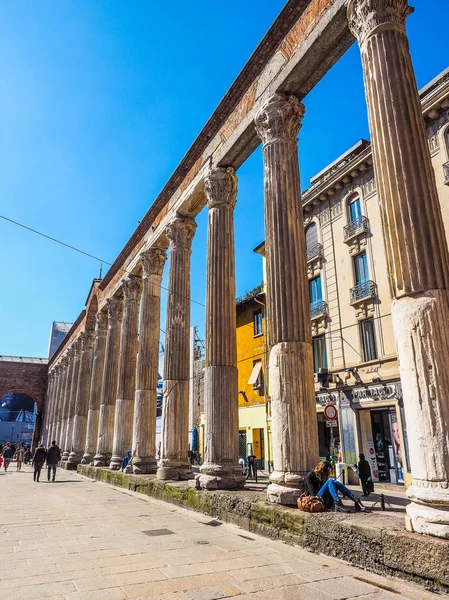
[258,448]
[385,434]
[242,443]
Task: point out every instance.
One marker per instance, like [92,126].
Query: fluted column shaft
[174,463]
[124,407]
[82,399]
[294,422]
[109,384]
[57,435]
[48,406]
[417,251]
[72,399]
[54,404]
[145,402]
[221,468]
[66,401]
[93,415]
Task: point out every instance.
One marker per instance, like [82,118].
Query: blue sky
[101,99]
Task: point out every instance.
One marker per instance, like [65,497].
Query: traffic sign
[330,412]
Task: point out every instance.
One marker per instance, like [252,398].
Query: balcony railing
[315,251]
[318,309]
[359,225]
[446,172]
[365,289]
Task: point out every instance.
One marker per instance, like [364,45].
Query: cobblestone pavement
[77,539]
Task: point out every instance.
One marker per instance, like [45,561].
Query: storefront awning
[255,373]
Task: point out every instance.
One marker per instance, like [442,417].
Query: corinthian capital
[115,309]
[87,340]
[180,232]
[221,187]
[132,288]
[365,16]
[280,119]
[153,261]
[101,322]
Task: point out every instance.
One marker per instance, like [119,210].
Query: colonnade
[103,402]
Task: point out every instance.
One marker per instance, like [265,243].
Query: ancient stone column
[57,435]
[66,401]
[145,402]
[174,463]
[82,398]
[51,429]
[48,405]
[72,399]
[93,416]
[417,251]
[124,407]
[294,421]
[221,468]
[109,384]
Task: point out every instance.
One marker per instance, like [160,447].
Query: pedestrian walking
[53,457]
[364,474]
[27,455]
[7,456]
[38,461]
[19,456]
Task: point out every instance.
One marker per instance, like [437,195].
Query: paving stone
[342,588]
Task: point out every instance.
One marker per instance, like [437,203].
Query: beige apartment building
[355,361]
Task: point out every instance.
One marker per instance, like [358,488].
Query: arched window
[354,209]
[311,237]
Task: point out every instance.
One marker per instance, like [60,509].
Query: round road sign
[330,412]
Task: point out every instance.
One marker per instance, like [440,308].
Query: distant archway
[18,413]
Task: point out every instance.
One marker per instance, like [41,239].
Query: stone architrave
[72,399]
[417,251]
[57,435]
[82,398]
[174,463]
[294,421]
[93,416]
[124,406]
[221,469]
[145,402]
[66,401]
[109,384]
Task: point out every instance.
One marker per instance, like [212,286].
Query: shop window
[368,337]
[258,322]
[316,294]
[354,209]
[319,353]
[361,274]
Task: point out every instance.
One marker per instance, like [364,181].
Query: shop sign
[328,398]
[331,423]
[378,392]
[330,412]
[372,459]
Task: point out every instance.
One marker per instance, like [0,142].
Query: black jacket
[364,469]
[312,484]
[39,456]
[53,455]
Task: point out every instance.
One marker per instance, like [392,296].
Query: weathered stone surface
[416,248]
[220,469]
[71,398]
[174,463]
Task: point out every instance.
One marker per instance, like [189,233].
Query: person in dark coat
[364,474]
[53,457]
[38,461]
[7,456]
[319,483]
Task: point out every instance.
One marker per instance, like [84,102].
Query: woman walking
[38,461]
[19,456]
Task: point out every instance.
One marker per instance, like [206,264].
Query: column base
[285,488]
[116,463]
[144,465]
[174,471]
[217,477]
[74,458]
[87,459]
[65,456]
[427,519]
[102,460]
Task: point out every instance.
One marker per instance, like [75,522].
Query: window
[256,377]
[319,353]
[316,294]
[368,339]
[361,268]
[258,322]
[355,209]
[311,236]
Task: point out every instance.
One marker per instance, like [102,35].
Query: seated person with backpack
[319,483]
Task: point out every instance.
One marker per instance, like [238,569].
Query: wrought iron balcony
[446,173]
[318,309]
[359,225]
[363,290]
[315,251]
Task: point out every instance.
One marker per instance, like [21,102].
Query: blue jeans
[329,492]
